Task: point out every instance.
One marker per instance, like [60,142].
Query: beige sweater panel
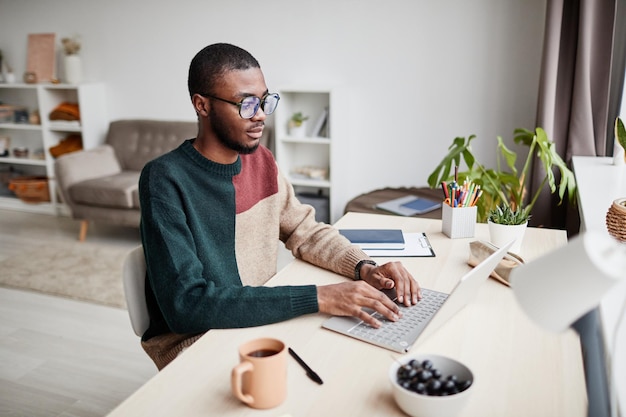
[259,229]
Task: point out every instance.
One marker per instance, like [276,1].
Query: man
[213,211]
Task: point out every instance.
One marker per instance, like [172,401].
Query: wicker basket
[616,219]
[31,189]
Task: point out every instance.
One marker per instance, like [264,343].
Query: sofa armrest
[79,166]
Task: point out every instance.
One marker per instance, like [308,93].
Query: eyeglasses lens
[250,105]
[270,103]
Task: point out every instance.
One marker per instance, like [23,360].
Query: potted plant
[297,124]
[619,151]
[505,198]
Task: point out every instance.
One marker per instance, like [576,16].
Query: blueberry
[463,385]
[449,386]
[424,375]
[434,386]
[420,388]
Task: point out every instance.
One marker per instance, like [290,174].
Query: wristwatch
[357,268]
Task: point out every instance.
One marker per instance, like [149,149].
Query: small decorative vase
[9,77]
[73,69]
[501,234]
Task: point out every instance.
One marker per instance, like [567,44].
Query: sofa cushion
[119,191]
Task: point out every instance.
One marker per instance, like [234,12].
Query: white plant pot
[298,131]
[73,69]
[501,234]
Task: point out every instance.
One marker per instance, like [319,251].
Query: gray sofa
[101,184]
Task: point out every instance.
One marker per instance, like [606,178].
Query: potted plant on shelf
[297,125]
[505,198]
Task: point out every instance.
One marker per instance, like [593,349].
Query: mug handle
[236,378]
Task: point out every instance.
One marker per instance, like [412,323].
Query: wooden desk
[520,369]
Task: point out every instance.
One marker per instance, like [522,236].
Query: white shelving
[317,156]
[39,138]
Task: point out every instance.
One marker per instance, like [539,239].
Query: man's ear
[201,105]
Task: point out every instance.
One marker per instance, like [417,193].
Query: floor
[60,357]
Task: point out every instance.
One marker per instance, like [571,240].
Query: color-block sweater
[210,235]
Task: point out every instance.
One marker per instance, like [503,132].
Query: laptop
[422,319]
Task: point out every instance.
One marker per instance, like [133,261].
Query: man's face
[231,130]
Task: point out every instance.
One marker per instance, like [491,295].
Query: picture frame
[41,56]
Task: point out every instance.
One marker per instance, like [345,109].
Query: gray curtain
[582,70]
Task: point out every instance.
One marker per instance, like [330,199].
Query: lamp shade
[559,287]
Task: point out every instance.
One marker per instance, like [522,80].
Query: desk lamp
[559,288]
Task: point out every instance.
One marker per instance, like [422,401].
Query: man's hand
[390,275]
[348,299]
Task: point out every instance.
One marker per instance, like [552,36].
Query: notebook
[375,238]
[422,319]
[409,205]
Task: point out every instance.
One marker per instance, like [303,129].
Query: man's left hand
[393,275]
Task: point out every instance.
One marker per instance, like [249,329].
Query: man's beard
[221,131]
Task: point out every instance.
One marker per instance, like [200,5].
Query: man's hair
[212,62]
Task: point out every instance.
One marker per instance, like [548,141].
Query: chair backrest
[134,279]
[138,141]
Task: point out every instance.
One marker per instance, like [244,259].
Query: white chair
[133,277]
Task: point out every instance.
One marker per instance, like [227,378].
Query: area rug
[81,271]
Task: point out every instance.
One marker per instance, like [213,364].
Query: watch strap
[357,268]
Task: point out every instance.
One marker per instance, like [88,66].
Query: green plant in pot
[297,125]
[505,198]
[620,135]
[297,119]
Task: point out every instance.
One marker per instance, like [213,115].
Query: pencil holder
[458,222]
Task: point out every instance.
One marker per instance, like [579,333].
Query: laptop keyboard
[413,318]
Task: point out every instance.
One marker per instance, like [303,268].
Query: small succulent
[503,214]
[298,118]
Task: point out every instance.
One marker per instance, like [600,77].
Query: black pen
[310,373]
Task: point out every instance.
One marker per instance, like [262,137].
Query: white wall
[418,72]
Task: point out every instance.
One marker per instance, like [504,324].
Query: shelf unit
[318,152]
[39,138]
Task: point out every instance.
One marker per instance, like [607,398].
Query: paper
[415,244]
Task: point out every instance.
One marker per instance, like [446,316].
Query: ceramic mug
[260,379]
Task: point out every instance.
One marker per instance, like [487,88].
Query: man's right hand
[348,299]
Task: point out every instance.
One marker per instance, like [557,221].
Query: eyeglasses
[249,106]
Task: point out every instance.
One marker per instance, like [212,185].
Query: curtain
[574,92]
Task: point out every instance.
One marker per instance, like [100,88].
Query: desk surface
[520,369]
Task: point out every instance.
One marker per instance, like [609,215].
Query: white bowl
[425,405]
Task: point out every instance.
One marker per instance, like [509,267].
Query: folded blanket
[65,111]
[72,143]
